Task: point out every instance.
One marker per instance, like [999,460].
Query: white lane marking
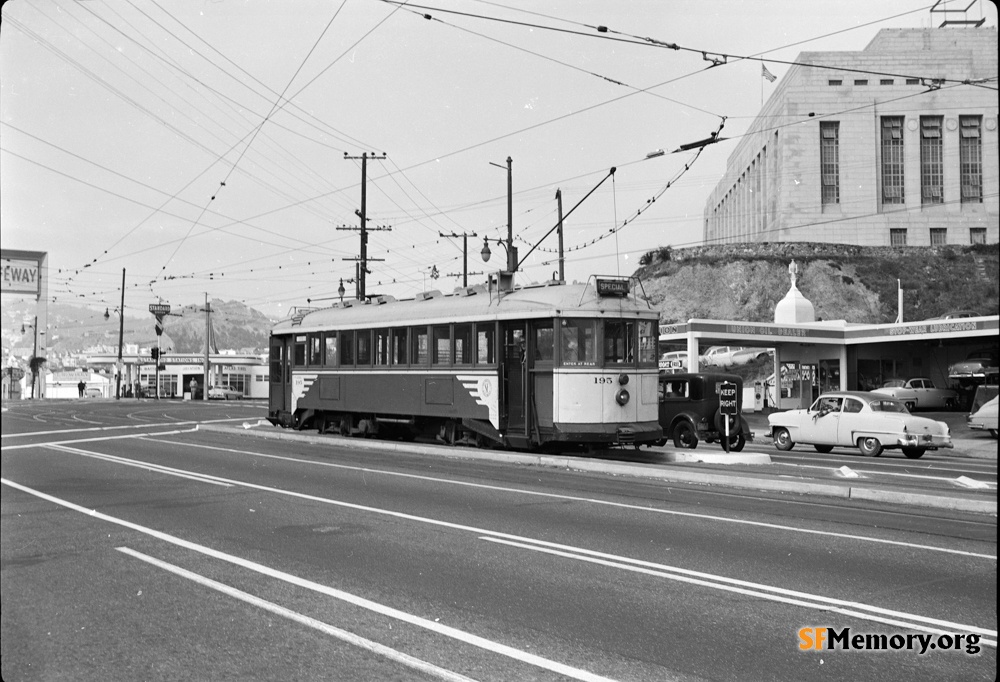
[27,446]
[963,465]
[119,427]
[621,505]
[343,635]
[949,479]
[425,623]
[138,464]
[751,589]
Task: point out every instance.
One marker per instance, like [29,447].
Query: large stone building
[892,145]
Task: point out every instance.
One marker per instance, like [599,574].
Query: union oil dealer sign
[20,276]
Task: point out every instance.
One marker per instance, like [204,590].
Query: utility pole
[465,253]
[208,332]
[121,338]
[562,260]
[363,214]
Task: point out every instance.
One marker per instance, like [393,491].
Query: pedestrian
[80,387]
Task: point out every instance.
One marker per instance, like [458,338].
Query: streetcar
[553,366]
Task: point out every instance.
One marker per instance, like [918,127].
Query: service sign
[612,287]
[159,308]
[20,276]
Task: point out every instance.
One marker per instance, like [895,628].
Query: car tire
[720,424]
[685,436]
[823,449]
[737,444]
[870,446]
[783,440]
[914,453]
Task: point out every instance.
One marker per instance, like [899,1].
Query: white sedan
[985,418]
[919,394]
[868,421]
[219,393]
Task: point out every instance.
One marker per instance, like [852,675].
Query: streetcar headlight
[622,397]
[623,379]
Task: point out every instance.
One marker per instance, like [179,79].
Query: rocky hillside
[857,284]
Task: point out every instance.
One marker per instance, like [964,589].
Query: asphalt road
[136,547]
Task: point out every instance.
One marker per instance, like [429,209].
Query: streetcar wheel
[783,440]
[870,446]
[685,436]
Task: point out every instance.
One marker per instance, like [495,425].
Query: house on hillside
[893,145]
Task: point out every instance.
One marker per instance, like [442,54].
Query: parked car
[920,394]
[871,422]
[974,366]
[689,410]
[985,418]
[724,357]
[956,315]
[219,393]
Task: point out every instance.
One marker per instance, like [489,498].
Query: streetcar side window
[463,344]
[419,346]
[299,358]
[381,346]
[648,332]
[486,344]
[441,347]
[543,342]
[330,341]
[346,348]
[315,359]
[577,344]
[399,346]
[364,356]
[619,341]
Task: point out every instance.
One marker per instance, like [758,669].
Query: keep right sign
[727,398]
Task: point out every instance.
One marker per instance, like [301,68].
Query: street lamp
[35,365]
[511,254]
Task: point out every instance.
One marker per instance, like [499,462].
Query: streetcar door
[515,374]
[540,388]
[280,386]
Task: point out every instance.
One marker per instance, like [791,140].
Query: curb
[638,470]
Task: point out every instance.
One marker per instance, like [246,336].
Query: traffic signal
[155,353]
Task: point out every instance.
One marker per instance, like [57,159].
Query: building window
[861,81]
[931,160]
[829,161]
[913,81]
[970,153]
[835,81]
[977,235]
[885,81]
[939,236]
[897,236]
[892,160]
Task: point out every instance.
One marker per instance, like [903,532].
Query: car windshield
[886,406]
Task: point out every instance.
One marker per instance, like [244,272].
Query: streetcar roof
[467,305]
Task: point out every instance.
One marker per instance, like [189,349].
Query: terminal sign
[159,308]
[727,398]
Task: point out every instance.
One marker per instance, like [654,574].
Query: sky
[213,147]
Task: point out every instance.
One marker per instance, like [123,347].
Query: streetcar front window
[619,341]
[314,350]
[299,357]
[577,342]
[543,342]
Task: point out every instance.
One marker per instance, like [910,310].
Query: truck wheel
[685,436]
